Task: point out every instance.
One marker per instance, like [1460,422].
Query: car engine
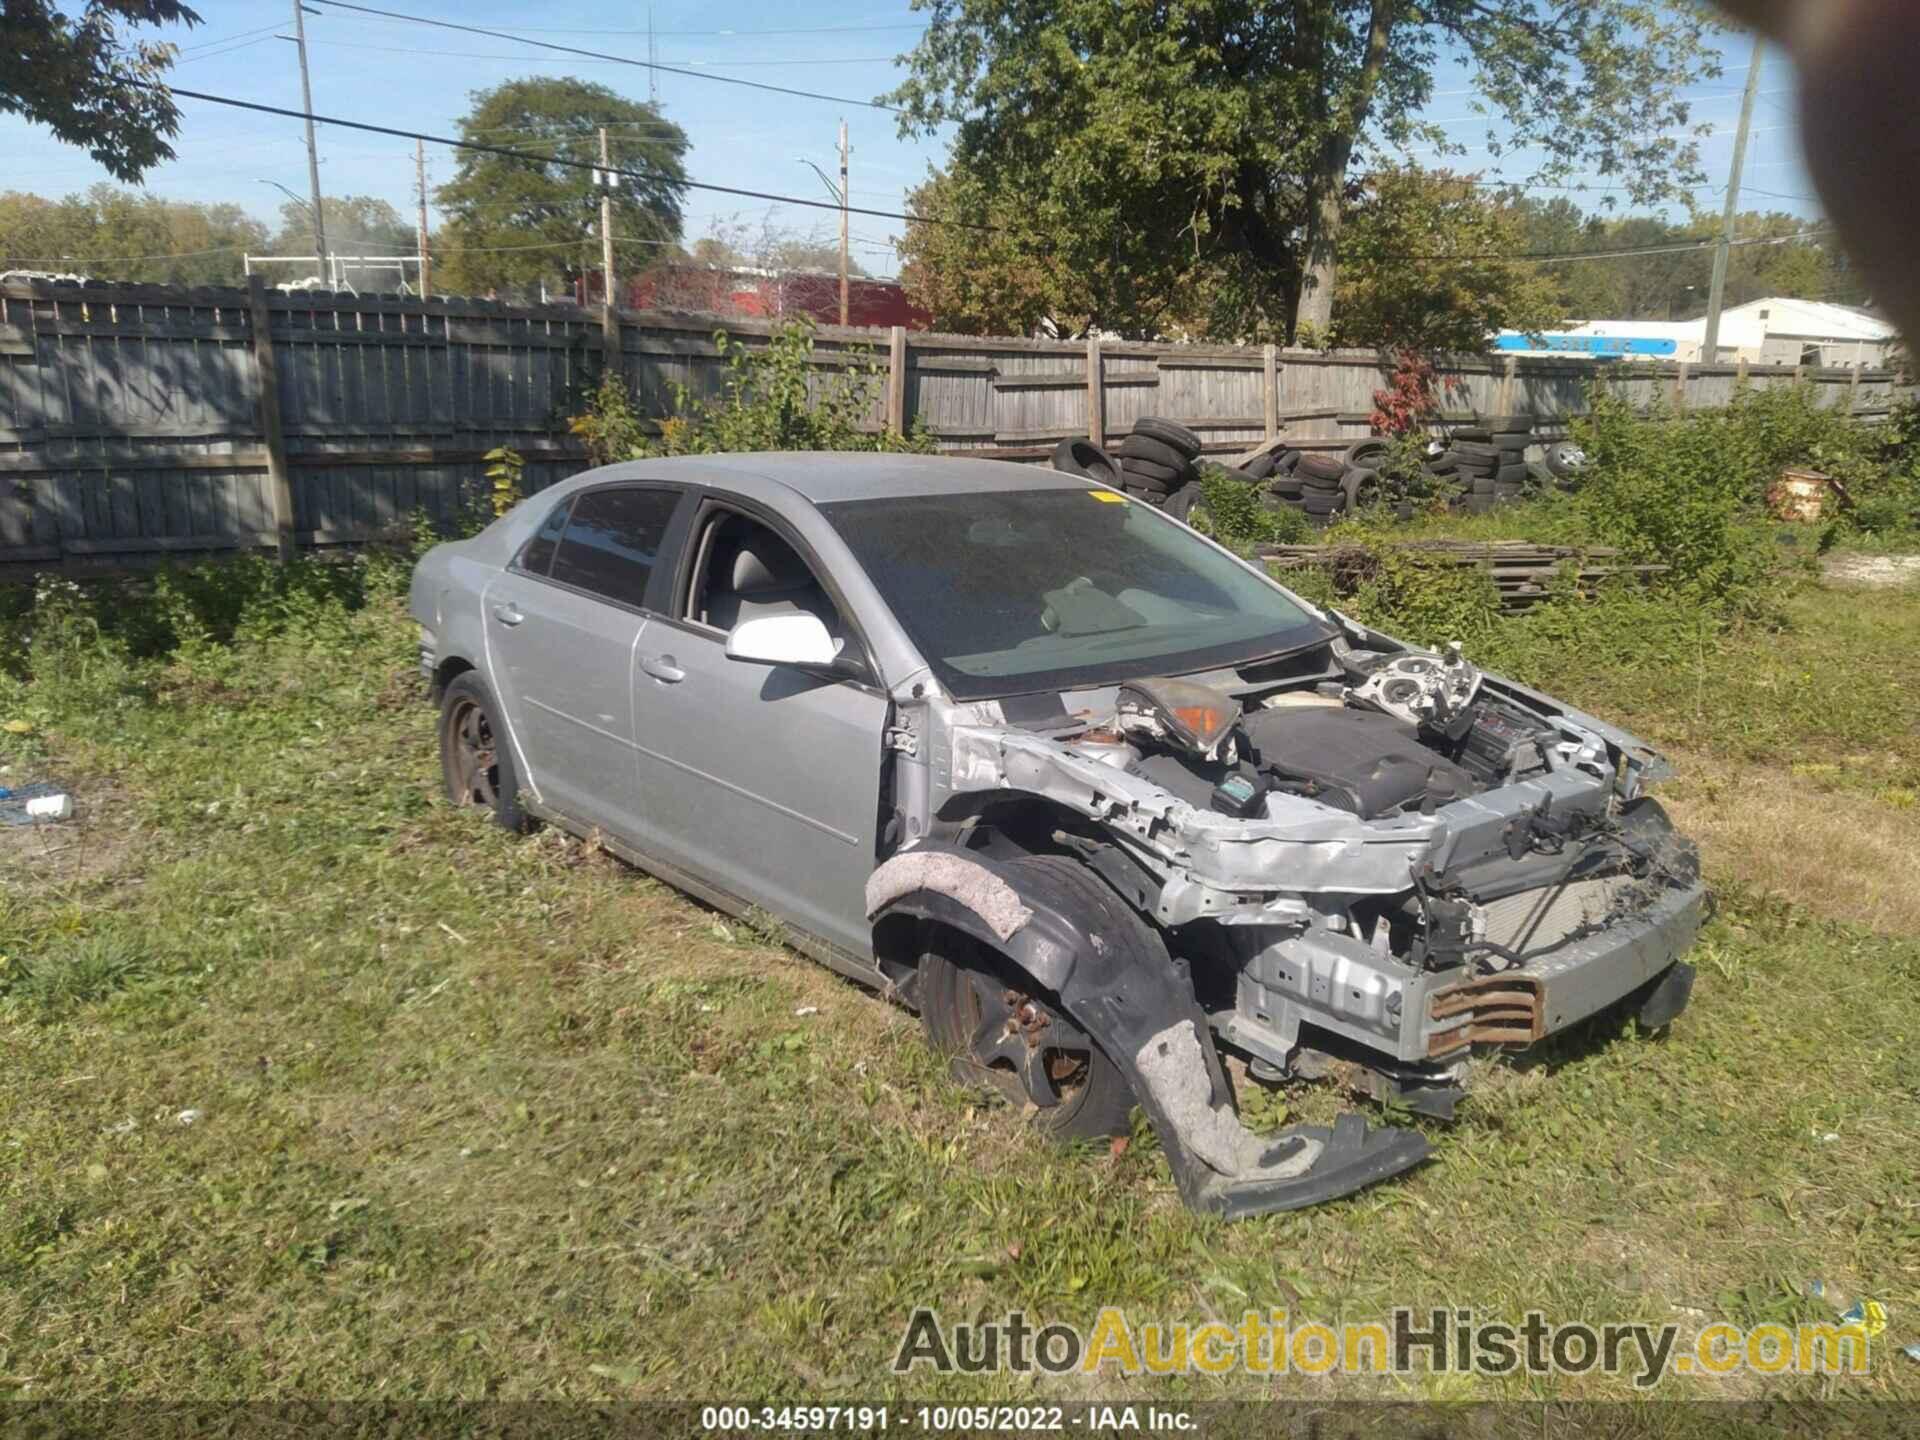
[1409,734]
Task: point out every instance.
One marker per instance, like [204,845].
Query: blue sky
[418,78]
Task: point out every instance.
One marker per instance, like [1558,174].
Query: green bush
[1689,490]
[1237,512]
[776,396]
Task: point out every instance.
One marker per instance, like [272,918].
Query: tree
[79,76]
[979,266]
[1417,272]
[1127,142]
[356,225]
[117,234]
[514,221]
[741,245]
[1673,284]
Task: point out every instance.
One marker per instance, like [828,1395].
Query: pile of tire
[1490,460]
[1325,484]
[1151,463]
[1487,462]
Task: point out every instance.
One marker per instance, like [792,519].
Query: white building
[1775,331]
[1814,332]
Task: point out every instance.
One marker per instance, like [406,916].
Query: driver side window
[744,570]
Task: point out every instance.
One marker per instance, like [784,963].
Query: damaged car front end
[1359,855]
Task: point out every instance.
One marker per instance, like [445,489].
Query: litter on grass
[35,804]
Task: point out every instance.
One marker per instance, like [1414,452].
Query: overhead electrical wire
[810,204]
[1675,248]
[512,154]
[576,50]
[524,59]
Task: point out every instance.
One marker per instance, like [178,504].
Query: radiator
[1539,919]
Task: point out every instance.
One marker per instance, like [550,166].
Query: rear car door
[562,622]
[763,780]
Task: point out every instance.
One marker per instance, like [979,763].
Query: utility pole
[606,219]
[313,153]
[653,59]
[426,253]
[1710,345]
[843,222]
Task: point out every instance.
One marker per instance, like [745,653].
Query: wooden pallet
[1522,572]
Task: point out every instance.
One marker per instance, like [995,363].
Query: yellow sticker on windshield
[1111,497]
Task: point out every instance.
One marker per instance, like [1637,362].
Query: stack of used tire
[1490,458]
[1150,464]
[1157,458]
[1326,483]
[1319,474]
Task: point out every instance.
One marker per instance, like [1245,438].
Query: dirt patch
[98,843]
[1874,571]
[1841,856]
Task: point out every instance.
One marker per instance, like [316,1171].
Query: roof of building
[1816,319]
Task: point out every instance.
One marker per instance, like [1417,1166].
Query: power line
[560,160]
[216,54]
[239,35]
[529,60]
[727,34]
[601,55]
[1676,248]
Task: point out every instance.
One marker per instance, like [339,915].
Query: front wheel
[476,757]
[1002,1031]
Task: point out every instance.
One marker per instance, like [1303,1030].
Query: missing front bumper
[1496,1010]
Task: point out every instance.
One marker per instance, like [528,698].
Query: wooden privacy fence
[138,421]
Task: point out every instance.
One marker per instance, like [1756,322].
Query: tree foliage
[773,397]
[1133,151]
[84,79]
[356,225]
[1421,271]
[1675,285]
[515,221]
[117,234]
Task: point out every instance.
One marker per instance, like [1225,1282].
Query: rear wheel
[1005,1033]
[476,758]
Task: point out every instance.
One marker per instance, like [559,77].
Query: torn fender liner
[958,876]
[1114,977]
[977,896]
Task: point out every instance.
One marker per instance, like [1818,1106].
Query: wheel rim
[1026,1048]
[474,757]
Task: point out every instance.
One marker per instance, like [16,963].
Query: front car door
[763,780]
[562,622]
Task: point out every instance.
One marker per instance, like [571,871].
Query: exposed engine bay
[1367,854]
[1398,735]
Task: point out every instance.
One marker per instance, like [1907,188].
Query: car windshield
[1012,592]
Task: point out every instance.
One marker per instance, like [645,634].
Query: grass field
[313,1085]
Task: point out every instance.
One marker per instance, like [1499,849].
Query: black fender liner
[1113,976]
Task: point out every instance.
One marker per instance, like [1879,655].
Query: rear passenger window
[611,540]
[537,555]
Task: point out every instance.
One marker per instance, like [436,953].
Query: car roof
[824,476]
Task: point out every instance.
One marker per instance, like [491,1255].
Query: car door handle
[507,613]
[662,668]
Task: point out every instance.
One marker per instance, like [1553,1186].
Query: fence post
[1680,385]
[1270,391]
[611,359]
[1096,393]
[1506,384]
[1853,389]
[897,379]
[1740,380]
[267,405]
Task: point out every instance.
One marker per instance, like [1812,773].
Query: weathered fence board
[131,422]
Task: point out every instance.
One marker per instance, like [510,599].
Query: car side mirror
[799,640]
